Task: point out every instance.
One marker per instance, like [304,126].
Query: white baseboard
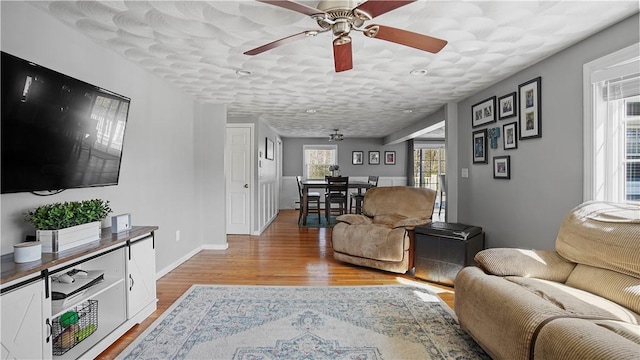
[224,246]
[188,256]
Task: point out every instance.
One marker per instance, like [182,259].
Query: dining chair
[337,193]
[357,198]
[313,198]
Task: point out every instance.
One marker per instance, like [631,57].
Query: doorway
[239,178]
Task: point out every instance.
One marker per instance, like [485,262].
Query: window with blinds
[615,130]
[318,159]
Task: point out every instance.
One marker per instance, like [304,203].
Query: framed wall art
[510,135]
[269,149]
[357,157]
[530,108]
[480,147]
[374,157]
[507,106]
[483,112]
[389,157]
[502,167]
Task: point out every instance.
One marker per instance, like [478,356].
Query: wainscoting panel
[289,191]
[267,203]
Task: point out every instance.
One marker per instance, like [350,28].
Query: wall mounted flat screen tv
[57,132]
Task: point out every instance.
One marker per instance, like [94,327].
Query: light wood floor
[283,255]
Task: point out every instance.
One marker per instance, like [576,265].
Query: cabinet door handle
[132,282]
[50,332]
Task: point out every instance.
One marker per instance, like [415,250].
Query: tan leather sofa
[382,236]
[581,301]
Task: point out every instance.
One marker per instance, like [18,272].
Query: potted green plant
[60,226]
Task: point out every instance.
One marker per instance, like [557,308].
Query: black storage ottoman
[443,249]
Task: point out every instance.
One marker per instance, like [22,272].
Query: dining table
[322,184]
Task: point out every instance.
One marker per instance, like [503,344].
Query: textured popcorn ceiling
[199,45]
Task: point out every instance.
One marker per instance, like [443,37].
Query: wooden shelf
[12,270]
[60,308]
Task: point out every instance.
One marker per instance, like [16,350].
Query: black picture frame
[510,136]
[507,106]
[357,157]
[269,149]
[530,108]
[479,147]
[502,167]
[483,112]
[374,157]
[389,157]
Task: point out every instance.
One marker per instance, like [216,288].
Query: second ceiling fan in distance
[343,16]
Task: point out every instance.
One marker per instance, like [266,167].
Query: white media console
[34,326]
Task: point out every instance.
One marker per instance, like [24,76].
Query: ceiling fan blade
[378,7]
[277,43]
[294,6]
[342,54]
[404,37]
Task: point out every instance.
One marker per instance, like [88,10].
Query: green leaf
[62,215]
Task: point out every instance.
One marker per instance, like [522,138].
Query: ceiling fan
[344,16]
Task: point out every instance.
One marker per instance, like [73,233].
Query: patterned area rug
[254,322]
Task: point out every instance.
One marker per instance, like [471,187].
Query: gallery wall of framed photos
[521,115]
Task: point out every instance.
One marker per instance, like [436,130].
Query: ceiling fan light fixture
[336,136]
[341,27]
[342,40]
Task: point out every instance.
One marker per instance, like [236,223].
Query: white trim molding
[594,72]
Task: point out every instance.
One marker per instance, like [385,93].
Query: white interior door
[238,162]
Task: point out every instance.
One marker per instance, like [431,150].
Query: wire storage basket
[75,325]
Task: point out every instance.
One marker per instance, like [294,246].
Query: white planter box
[67,238]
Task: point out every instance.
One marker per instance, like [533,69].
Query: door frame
[252,177]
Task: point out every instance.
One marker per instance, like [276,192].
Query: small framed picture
[269,149]
[502,167]
[507,106]
[389,157]
[510,135]
[374,157]
[530,108]
[480,147]
[483,112]
[357,157]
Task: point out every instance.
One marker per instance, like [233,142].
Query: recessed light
[418,72]
[407,111]
[243,72]
[311,111]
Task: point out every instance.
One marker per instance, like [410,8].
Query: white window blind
[317,160]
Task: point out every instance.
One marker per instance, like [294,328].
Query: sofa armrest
[354,219]
[541,264]
[411,223]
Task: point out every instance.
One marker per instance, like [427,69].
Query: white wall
[546,177]
[210,185]
[159,181]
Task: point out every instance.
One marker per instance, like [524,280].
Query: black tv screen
[57,132]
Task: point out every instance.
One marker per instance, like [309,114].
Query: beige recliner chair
[382,236]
